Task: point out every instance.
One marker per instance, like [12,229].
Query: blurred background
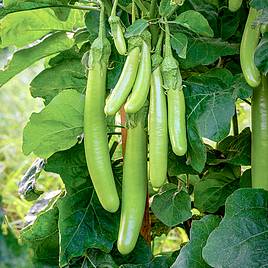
[15,110]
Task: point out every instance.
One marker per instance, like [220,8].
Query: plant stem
[168,51]
[159,43]
[113,148]
[133,13]
[113,12]
[102,21]
[235,124]
[153,28]
[108,6]
[141,6]
[124,9]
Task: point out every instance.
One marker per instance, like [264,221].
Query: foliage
[72,229]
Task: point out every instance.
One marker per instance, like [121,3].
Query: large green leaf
[212,190]
[24,58]
[84,224]
[163,261]
[229,23]
[71,166]
[136,28]
[69,74]
[240,87]
[15,6]
[141,254]
[98,258]
[179,42]
[43,237]
[195,22]
[209,9]
[56,127]
[197,154]
[12,3]
[34,24]
[237,149]
[204,51]
[241,240]
[210,107]
[177,165]
[191,254]
[11,7]
[166,8]
[172,206]
[261,55]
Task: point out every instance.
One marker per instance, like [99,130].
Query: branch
[235,124]
[56,6]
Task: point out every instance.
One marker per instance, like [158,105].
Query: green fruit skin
[119,40]
[234,5]
[134,189]
[142,84]
[96,142]
[125,83]
[249,43]
[158,131]
[259,157]
[176,121]
[118,36]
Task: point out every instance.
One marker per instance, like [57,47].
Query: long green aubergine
[158,129]
[250,40]
[176,102]
[142,83]
[95,128]
[234,5]
[117,31]
[134,186]
[259,152]
[125,83]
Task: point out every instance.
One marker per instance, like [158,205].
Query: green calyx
[138,118]
[157,56]
[136,41]
[171,73]
[156,61]
[100,51]
[146,36]
[114,20]
[170,66]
